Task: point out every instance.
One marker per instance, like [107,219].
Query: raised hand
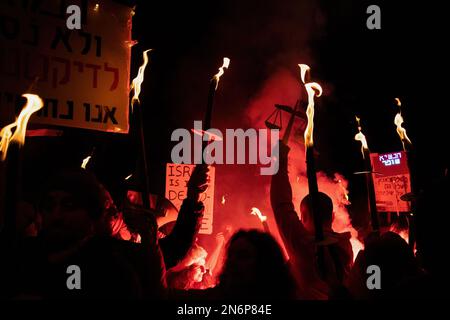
[199,181]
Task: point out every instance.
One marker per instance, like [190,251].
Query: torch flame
[400,130]
[303,69]
[358,120]
[344,190]
[5,136]
[34,103]
[137,82]
[257,212]
[361,137]
[313,89]
[223,200]
[398,120]
[85,162]
[216,78]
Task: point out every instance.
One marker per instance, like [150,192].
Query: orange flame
[34,103]
[257,212]
[303,69]
[5,136]
[344,190]
[85,162]
[137,82]
[313,89]
[361,137]
[223,200]
[216,78]
[398,120]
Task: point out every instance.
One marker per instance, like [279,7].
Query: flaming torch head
[361,137]
[137,82]
[313,89]
[304,68]
[344,192]
[85,162]
[216,78]
[34,103]
[257,212]
[5,136]
[398,120]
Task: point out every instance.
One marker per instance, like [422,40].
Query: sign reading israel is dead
[82,75]
[177,178]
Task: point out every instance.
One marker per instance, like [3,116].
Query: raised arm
[213,258]
[176,245]
[289,225]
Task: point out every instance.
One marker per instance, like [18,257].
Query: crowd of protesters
[122,254]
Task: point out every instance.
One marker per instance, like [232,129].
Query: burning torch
[369,178]
[313,89]
[34,103]
[214,84]
[408,148]
[136,87]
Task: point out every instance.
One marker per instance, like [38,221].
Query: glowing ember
[34,103]
[223,200]
[137,82]
[131,43]
[361,137]
[313,89]
[85,162]
[216,78]
[398,120]
[257,212]
[344,191]
[96,7]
